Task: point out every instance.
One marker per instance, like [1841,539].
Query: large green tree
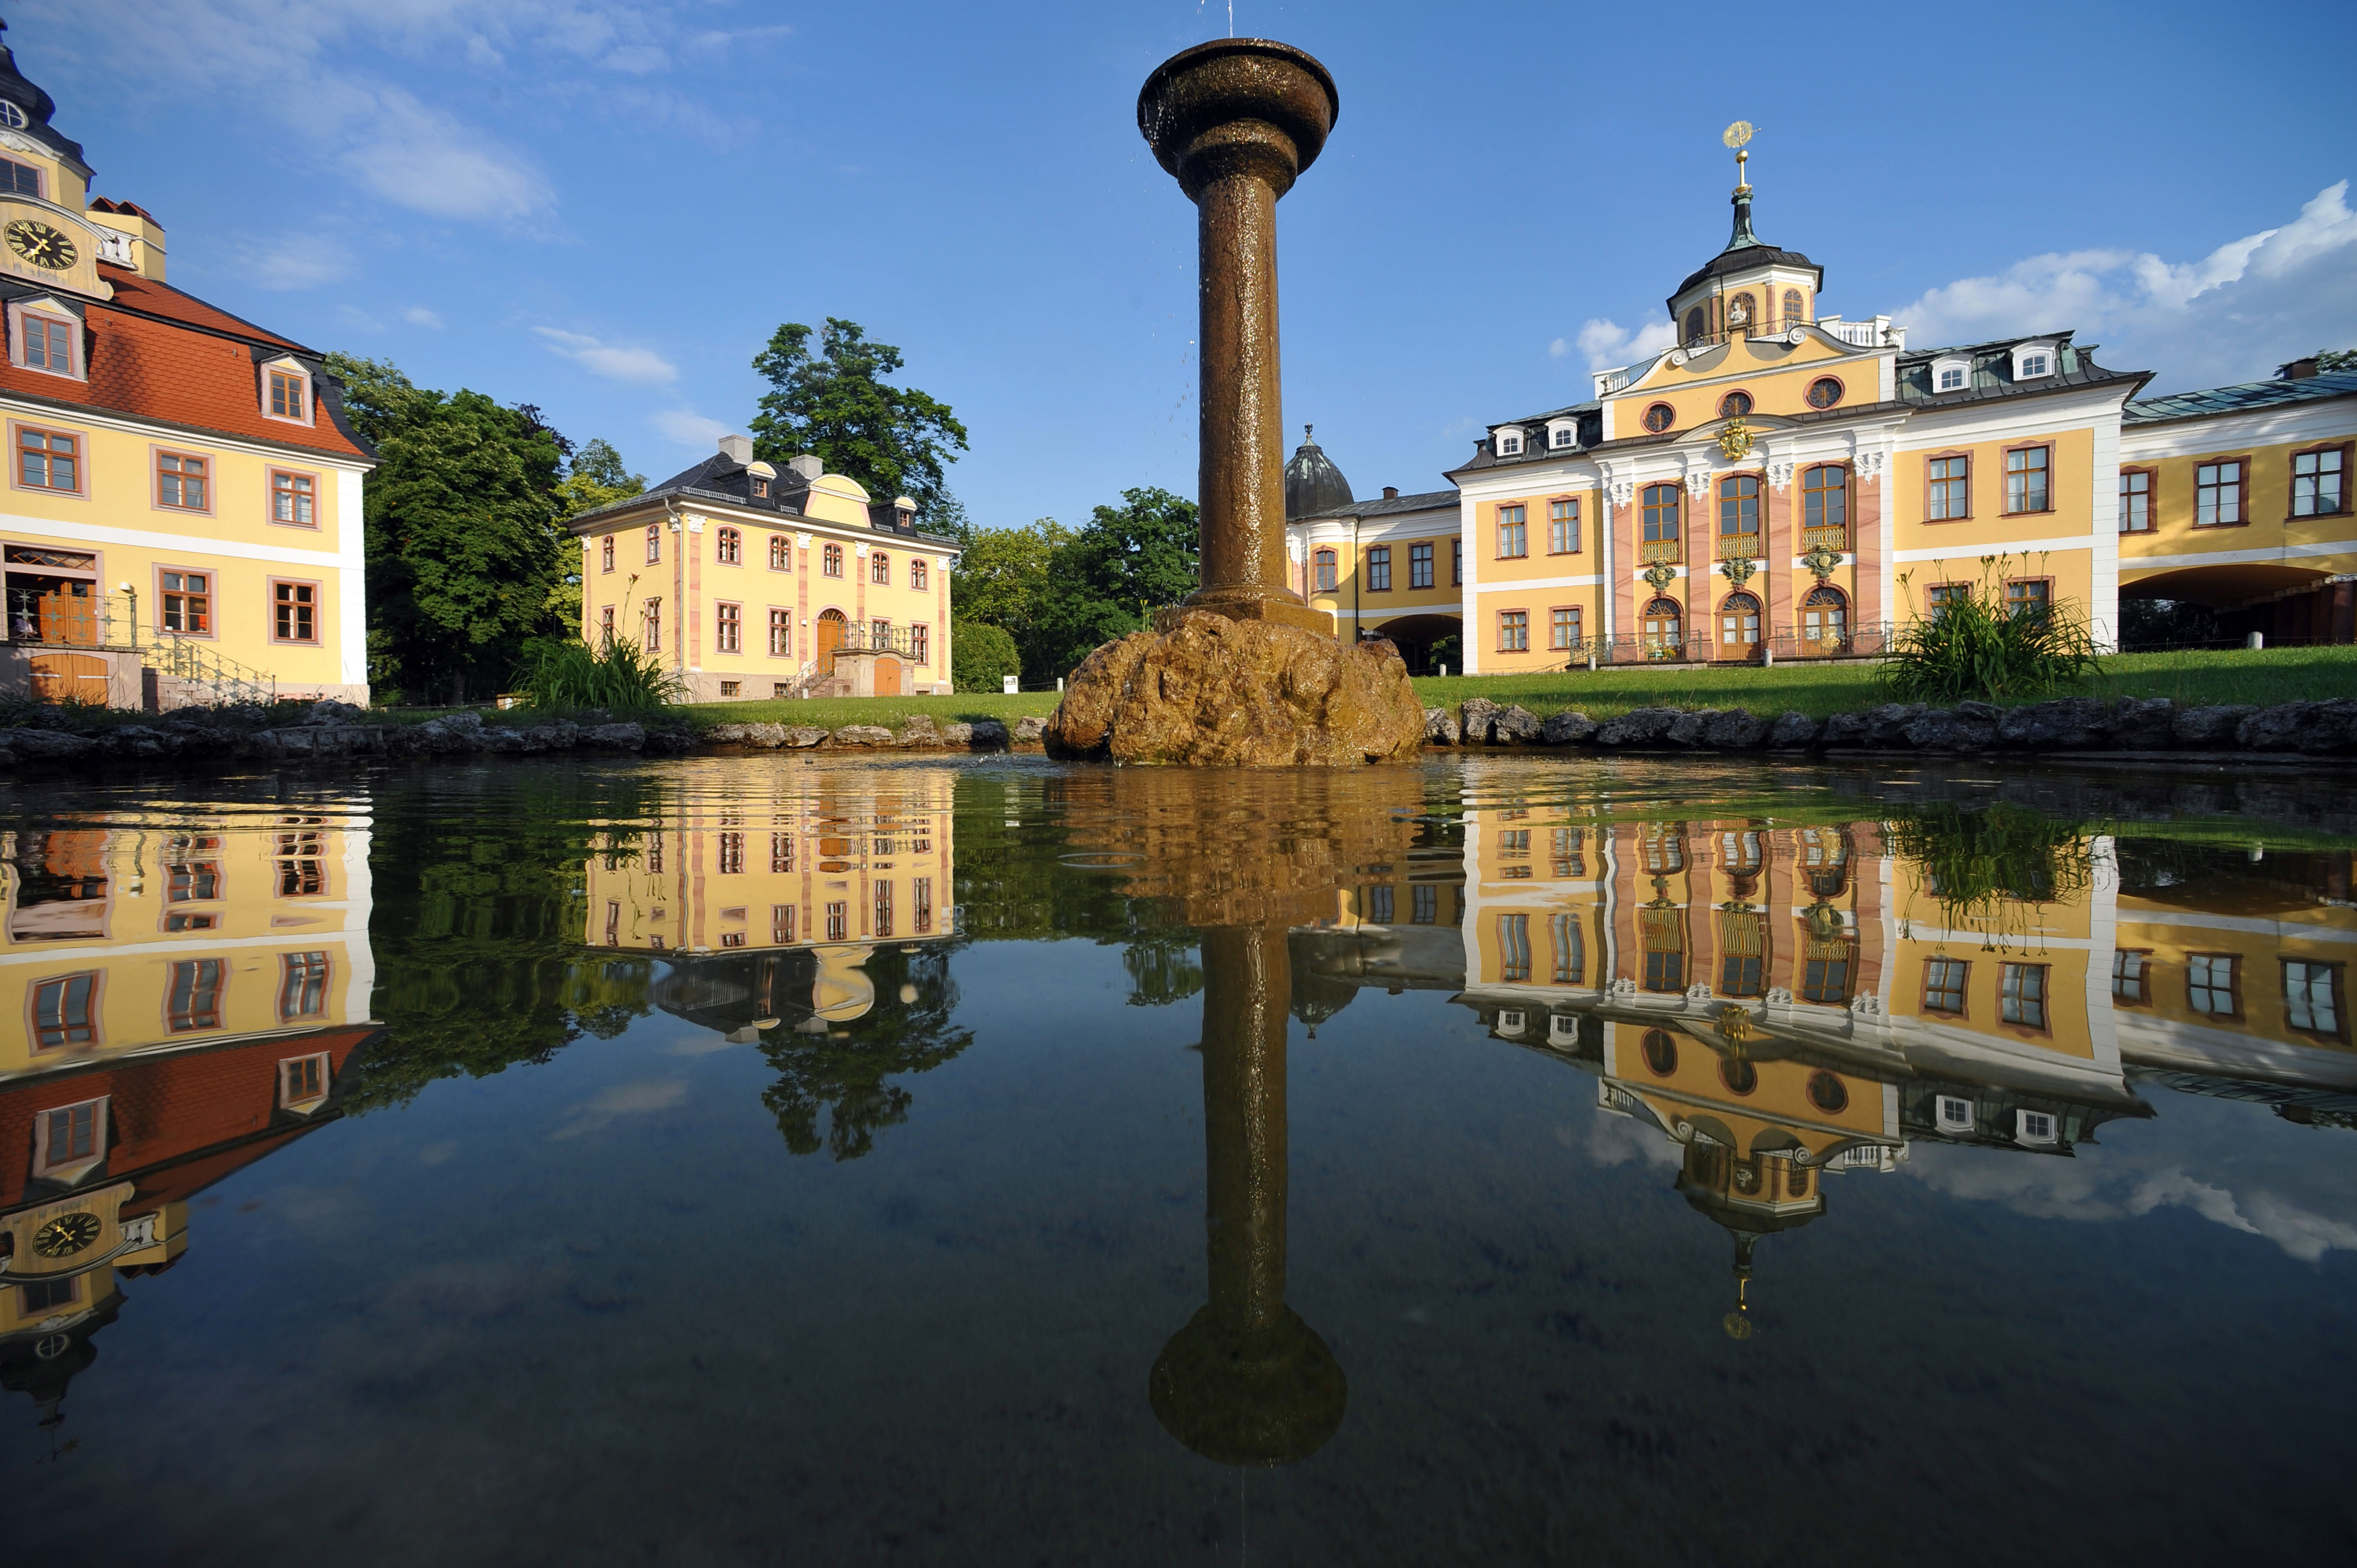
[1115,571]
[895,441]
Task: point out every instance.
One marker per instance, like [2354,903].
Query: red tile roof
[158,353]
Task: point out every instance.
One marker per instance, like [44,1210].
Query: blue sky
[605,209]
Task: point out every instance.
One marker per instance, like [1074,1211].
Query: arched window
[1658,417]
[1662,512]
[1796,1180]
[1734,405]
[1664,631]
[1828,1093]
[1739,313]
[1792,316]
[1739,508]
[1824,619]
[1824,500]
[831,561]
[729,548]
[1739,626]
[1327,564]
[879,567]
[782,554]
[1661,1053]
[654,542]
[1698,325]
[1824,392]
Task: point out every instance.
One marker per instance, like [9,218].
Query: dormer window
[1950,375]
[1564,435]
[2032,360]
[287,393]
[18,179]
[1509,444]
[12,116]
[45,341]
[760,490]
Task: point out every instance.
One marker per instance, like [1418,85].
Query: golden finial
[1735,136]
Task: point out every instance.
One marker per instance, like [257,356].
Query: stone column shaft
[1241,472]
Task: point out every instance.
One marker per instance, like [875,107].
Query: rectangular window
[1563,632]
[782,923]
[303,986]
[920,644]
[2135,500]
[2021,994]
[654,543]
[1940,596]
[19,179]
[2211,984]
[187,602]
[285,395]
[883,909]
[1825,982]
[782,633]
[2034,1126]
[732,855]
[1824,498]
[49,345]
[917,573]
[920,905]
[1514,948]
[2218,493]
[782,554]
[728,628]
[1328,566]
[1379,569]
[606,627]
[303,1080]
[1419,565]
[1570,951]
[2312,997]
[1424,904]
[1944,985]
[49,460]
[830,560]
[71,1135]
[654,626]
[294,501]
[781,853]
[2128,976]
[197,996]
[65,1012]
[1379,903]
[1512,534]
[302,872]
[881,631]
[1950,481]
[838,921]
[180,481]
[2319,482]
[2025,478]
[1741,974]
[1456,563]
[879,569]
[192,881]
[2030,595]
[295,612]
[1514,631]
[1563,527]
[1956,1113]
[49,1295]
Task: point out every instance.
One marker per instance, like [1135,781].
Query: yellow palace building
[1787,483]
[746,580]
[181,520]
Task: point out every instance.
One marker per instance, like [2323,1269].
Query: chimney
[809,466]
[2298,369]
[737,449]
[1391,493]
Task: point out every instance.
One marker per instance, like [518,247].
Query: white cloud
[421,159]
[1608,345]
[643,366]
[295,261]
[419,316]
[689,428]
[2231,315]
[628,1100]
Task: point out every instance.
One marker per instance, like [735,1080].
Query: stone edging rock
[916,733]
[2062,725]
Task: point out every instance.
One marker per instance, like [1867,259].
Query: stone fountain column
[1236,120]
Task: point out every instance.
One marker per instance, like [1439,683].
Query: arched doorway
[1424,640]
[1825,621]
[1664,629]
[831,628]
[1739,626]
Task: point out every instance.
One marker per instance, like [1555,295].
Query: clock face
[66,1235]
[39,244]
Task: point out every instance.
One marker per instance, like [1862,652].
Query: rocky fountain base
[1205,691]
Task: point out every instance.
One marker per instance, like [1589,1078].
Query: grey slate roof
[2235,398]
[721,477]
[1992,371]
[1312,483]
[1389,506]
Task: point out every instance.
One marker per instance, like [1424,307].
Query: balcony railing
[1669,551]
[1737,547]
[40,621]
[1835,539]
[870,638]
[1702,646]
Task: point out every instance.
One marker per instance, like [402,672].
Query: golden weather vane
[1735,136]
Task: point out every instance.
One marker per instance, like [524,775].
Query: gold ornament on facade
[1661,575]
[1739,569]
[1735,440]
[1822,559]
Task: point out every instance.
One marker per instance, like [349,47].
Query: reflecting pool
[762,1160]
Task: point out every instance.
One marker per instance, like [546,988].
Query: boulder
[327,711]
[50,746]
[985,734]
[730,735]
[1690,729]
[1475,715]
[863,734]
[958,737]
[1216,692]
[1793,731]
[1030,727]
[1567,728]
[1441,727]
[1843,731]
[2331,729]
[1952,729]
[2144,723]
[451,732]
[624,737]
[919,733]
[138,742]
[503,739]
[2063,723]
[1886,726]
[1736,730]
[2210,729]
[1515,725]
[802,737]
[1638,726]
[2279,728]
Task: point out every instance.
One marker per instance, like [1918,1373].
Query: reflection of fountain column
[1246,1382]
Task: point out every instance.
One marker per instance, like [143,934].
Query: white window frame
[1506,440]
[2048,354]
[1955,1114]
[287,1100]
[1958,363]
[1513,1021]
[48,310]
[288,364]
[1561,434]
[2023,1132]
[70,1170]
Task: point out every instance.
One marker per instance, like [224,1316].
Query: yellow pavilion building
[1787,483]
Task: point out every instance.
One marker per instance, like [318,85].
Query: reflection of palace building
[188,994]
[1783,479]
[1790,1002]
[767,910]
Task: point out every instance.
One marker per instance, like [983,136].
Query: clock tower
[46,235]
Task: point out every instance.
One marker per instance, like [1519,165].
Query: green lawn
[2273,676]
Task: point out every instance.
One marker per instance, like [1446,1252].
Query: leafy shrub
[1973,646]
[622,678]
[980,655]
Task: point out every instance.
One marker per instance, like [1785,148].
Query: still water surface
[749,1160]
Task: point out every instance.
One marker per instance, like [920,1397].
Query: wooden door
[888,677]
[69,615]
[830,637]
[69,677]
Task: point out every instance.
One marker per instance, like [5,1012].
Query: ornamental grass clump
[1975,646]
[620,678]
